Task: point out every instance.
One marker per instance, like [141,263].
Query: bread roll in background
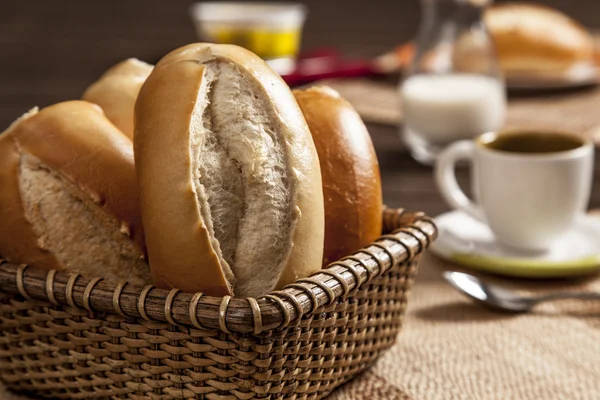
[531,40]
[68,197]
[350,171]
[229,178]
[535,38]
[116,92]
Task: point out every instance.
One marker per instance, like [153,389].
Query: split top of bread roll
[229,178]
[116,92]
[532,37]
[69,197]
[350,172]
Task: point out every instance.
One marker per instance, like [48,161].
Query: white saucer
[578,76]
[468,242]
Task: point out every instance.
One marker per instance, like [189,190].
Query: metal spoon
[504,299]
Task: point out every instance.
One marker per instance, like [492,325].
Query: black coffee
[533,142]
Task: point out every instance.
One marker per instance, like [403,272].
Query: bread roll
[116,92]
[229,178]
[535,38]
[69,197]
[350,172]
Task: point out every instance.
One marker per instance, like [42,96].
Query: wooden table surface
[51,50]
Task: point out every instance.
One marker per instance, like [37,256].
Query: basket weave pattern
[64,336]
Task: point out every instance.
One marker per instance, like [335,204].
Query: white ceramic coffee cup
[529,199]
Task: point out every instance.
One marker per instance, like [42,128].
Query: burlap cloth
[451,348]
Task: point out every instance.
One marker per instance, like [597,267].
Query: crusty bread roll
[68,197]
[350,172]
[229,178]
[116,92]
[535,38]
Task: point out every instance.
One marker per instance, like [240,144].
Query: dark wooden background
[52,49]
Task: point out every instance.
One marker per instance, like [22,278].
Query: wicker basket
[64,336]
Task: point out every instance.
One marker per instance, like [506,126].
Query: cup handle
[446,178]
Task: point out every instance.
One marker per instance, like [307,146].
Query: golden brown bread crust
[179,246]
[350,171]
[116,92]
[531,37]
[178,87]
[75,139]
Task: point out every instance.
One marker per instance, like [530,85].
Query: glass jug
[453,89]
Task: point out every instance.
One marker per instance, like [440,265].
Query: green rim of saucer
[529,268]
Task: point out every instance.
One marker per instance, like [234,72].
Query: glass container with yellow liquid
[271,30]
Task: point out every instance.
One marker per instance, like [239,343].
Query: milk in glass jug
[453,89]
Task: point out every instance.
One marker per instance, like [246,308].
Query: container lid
[289,14]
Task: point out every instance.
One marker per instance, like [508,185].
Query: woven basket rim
[406,235]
